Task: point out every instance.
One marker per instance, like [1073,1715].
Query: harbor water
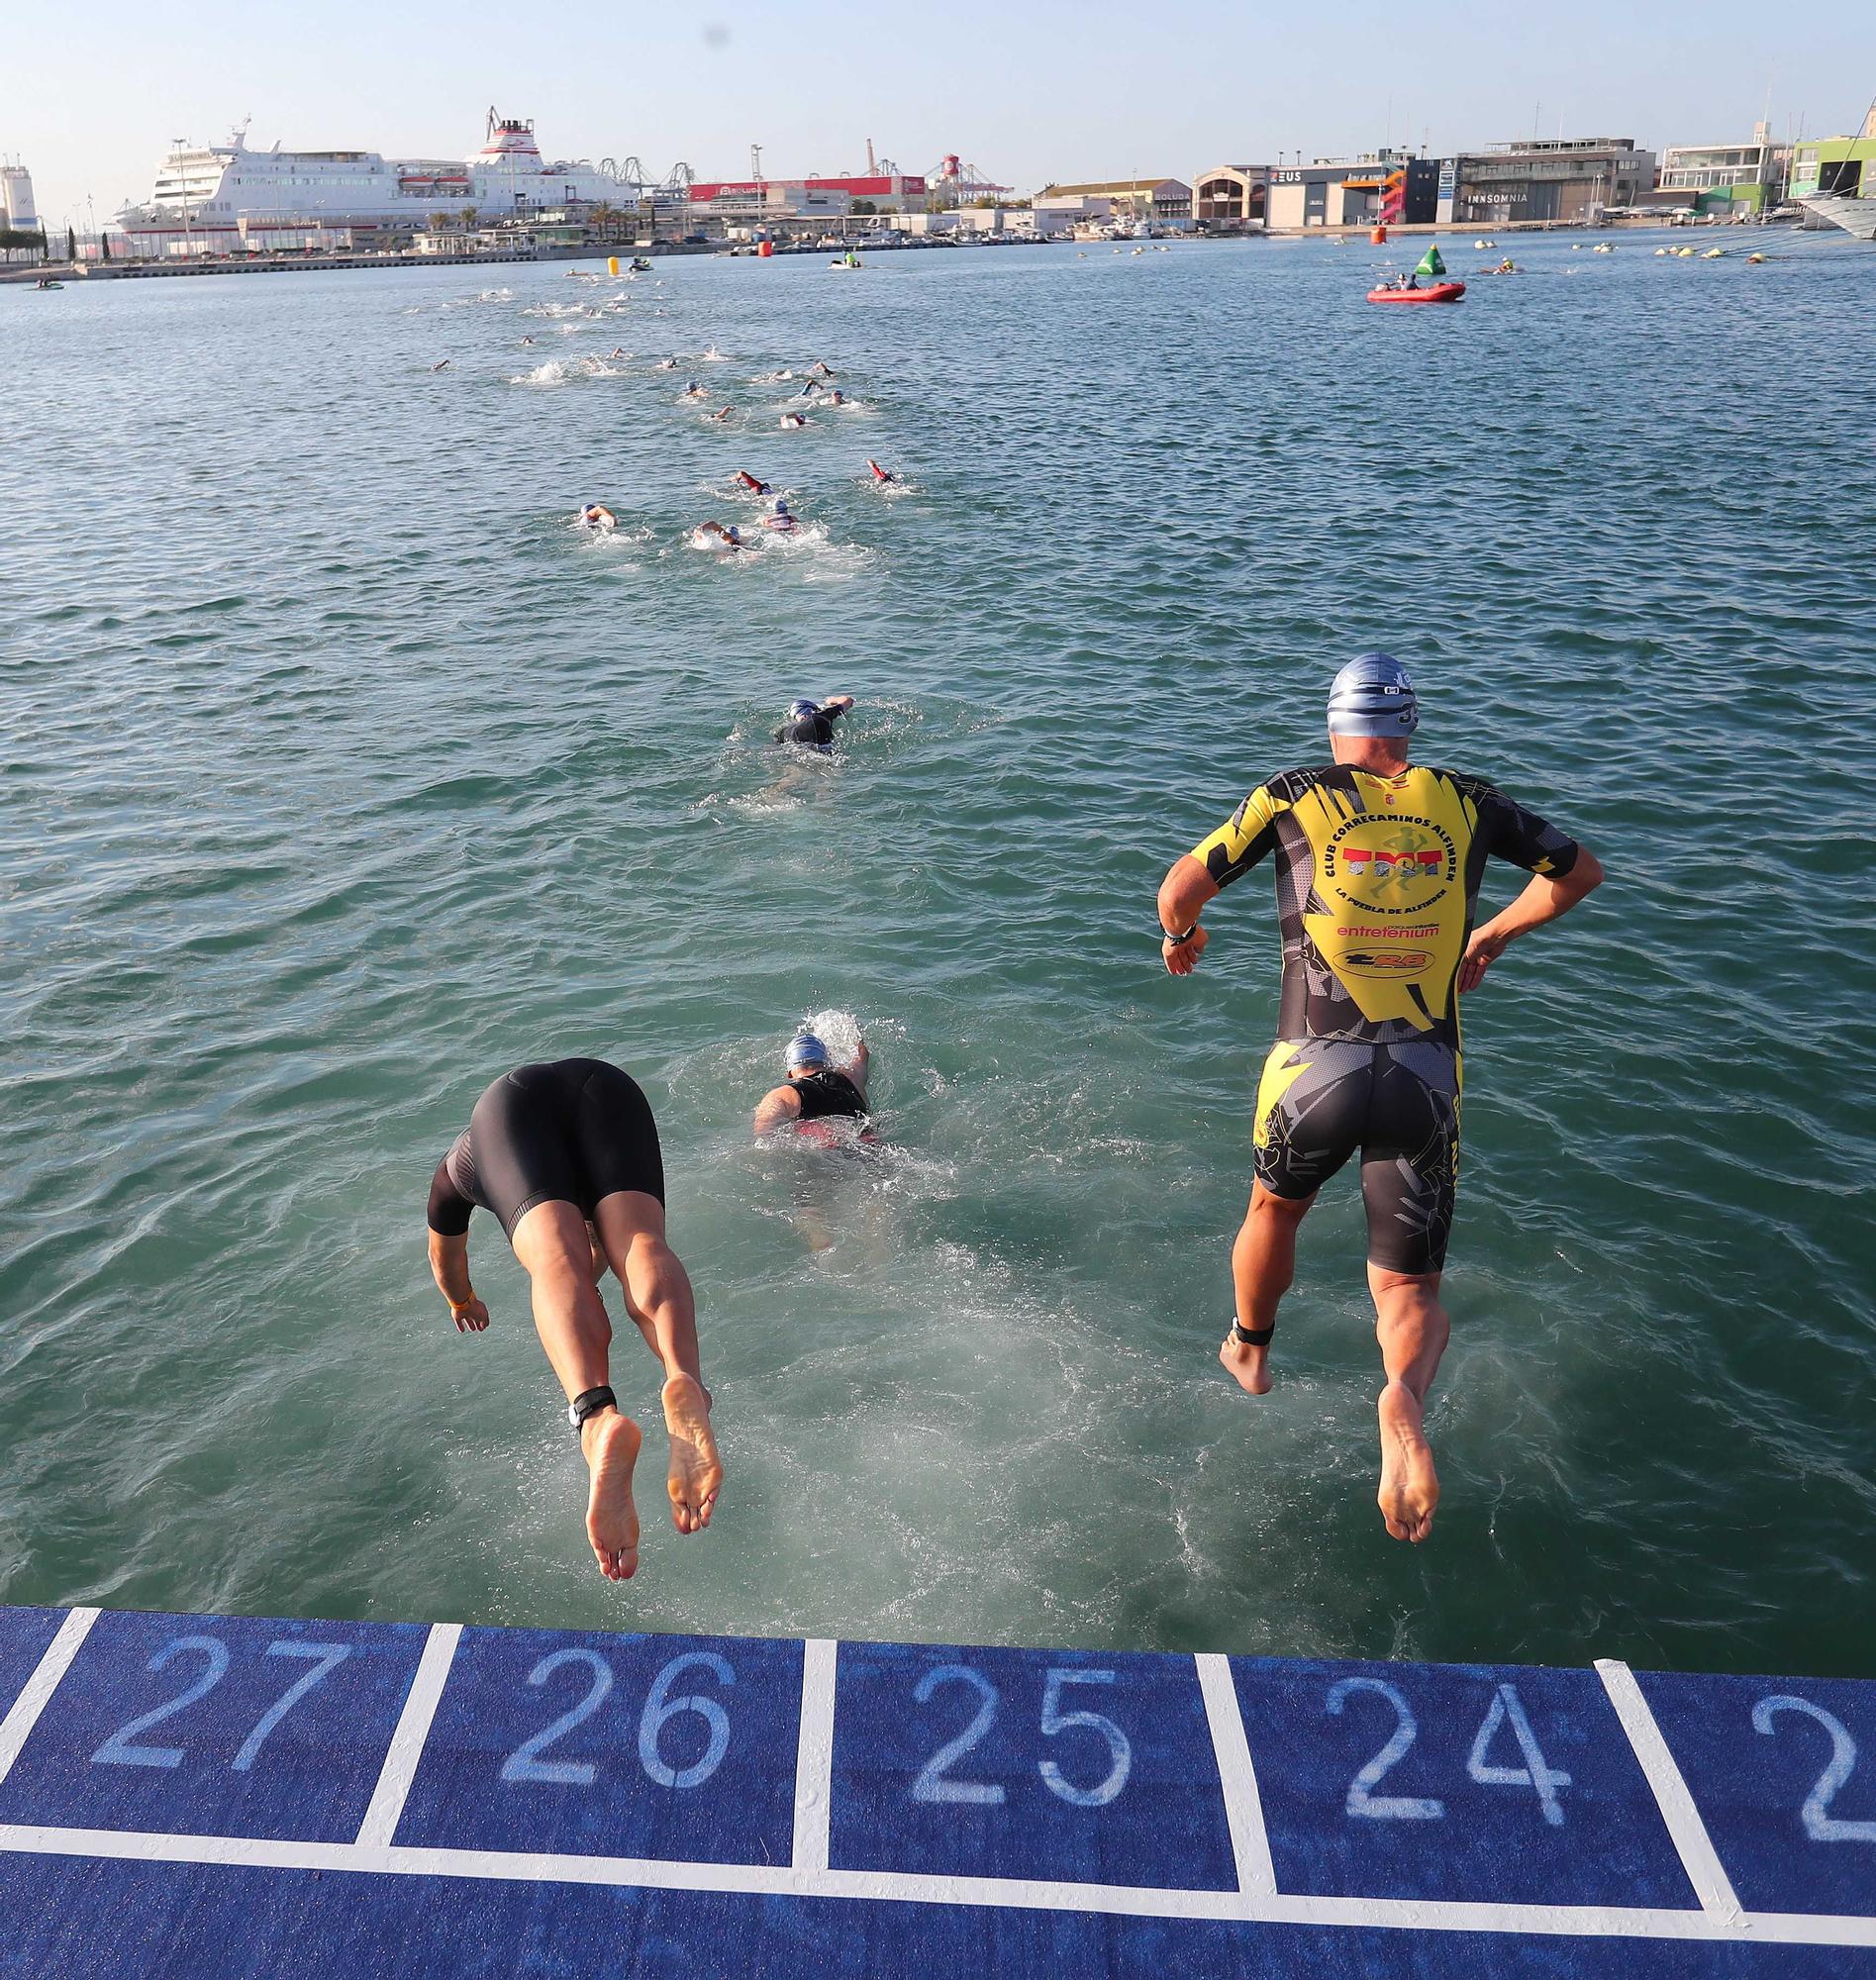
[342,774]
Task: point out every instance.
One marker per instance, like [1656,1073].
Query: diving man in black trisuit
[566,1156]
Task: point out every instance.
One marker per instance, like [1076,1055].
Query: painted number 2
[1506,1707]
[120,1751]
[1819,1826]
[526,1764]
[934,1784]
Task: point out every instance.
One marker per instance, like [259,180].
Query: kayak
[1439,293]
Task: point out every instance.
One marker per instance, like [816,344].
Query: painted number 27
[1507,1707]
[934,1783]
[120,1749]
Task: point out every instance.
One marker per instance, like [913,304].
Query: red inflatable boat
[1437,293]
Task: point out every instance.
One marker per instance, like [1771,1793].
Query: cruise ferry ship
[221,199]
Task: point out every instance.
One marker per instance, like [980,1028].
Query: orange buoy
[763,249]
[1379,236]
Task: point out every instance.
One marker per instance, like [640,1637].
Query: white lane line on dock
[38,1689]
[1244,1805]
[1672,1795]
[814,1756]
[993,1893]
[407,1742]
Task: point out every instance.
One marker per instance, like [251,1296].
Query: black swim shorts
[576,1131]
[1321,1099]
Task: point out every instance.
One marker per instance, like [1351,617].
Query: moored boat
[1437,293]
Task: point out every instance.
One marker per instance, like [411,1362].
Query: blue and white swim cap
[796,709]
[806,1050]
[1373,696]
[781,506]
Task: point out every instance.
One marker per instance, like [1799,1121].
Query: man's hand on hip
[1182,957]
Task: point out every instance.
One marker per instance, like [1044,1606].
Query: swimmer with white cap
[815,1088]
[809,724]
[781,519]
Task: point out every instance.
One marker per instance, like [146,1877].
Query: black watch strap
[589,1402]
[1167,934]
[1251,1337]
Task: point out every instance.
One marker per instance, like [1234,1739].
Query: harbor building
[1351,192]
[18,210]
[1160,202]
[1229,199]
[1728,181]
[1549,179]
[877,192]
[1846,167]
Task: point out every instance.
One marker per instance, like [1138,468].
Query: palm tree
[470,216]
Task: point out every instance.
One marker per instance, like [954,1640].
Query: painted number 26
[526,1764]
[934,1783]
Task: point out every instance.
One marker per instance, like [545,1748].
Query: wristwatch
[1167,935]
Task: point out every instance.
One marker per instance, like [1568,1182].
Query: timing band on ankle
[1252,1336]
[589,1402]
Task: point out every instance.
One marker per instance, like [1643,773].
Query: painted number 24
[1507,1707]
[934,1783]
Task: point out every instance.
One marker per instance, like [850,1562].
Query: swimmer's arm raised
[855,1067]
[1544,900]
[449,1267]
[776,1108]
[1182,894]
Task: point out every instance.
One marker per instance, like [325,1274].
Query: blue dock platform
[212,1796]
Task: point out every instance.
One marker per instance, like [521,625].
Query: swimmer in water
[566,1156]
[1367,1057]
[815,1089]
[780,519]
[881,474]
[750,483]
[717,537]
[820,369]
[810,723]
[667,363]
[809,390]
[526,340]
[721,413]
[443,366]
[596,516]
[693,390]
[618,350]
[836,397]
[793,420]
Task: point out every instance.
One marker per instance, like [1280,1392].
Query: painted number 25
[934,1783]
[1507,1707]
[119,1751]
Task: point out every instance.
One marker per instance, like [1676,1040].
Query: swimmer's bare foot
[1248,1366]
[1410,1486]
[696,1469]
[609,1445]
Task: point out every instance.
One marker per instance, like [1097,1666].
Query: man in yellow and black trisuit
[1378,868]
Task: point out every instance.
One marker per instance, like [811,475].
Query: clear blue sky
[1029,90]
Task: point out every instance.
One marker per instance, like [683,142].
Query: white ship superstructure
[220,199]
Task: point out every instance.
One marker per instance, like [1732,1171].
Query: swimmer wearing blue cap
[717,537]
[809,724]
[1378,867]
[781,517]
[596,516]
[816,1089]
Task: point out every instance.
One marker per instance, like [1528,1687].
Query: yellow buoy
[612,264]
